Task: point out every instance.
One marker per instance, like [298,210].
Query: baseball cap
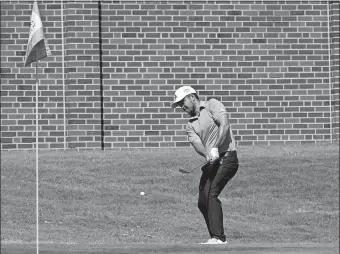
[181,93]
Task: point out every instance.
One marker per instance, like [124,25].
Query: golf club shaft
[193,168]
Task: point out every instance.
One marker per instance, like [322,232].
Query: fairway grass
[281,194]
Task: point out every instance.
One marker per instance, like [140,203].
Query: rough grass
[282,194]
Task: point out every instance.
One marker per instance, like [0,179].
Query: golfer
[210,134]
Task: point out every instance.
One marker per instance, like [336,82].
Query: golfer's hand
[207,156]
[211,165]
[212,160]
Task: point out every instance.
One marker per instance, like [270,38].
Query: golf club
[187,172]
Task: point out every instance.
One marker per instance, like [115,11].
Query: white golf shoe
[215,241]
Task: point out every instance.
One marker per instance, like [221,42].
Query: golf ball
[142,193]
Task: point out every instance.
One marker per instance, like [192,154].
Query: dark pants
[211,185]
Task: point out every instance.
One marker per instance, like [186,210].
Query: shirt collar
[202,106]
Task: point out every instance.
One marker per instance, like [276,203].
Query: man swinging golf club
[210,134]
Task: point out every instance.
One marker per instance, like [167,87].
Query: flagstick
[36,146]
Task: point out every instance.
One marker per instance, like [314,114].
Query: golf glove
[214,153]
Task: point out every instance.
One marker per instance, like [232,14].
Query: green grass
[282,194]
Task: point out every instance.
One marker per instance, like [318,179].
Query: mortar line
[101,76]
[329,73]
[63,69]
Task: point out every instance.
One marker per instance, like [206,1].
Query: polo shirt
[203,126]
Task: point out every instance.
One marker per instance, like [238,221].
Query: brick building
[116,64]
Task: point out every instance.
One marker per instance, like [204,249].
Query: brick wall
[82,74]
[18,82]
[267,61]
[334,29]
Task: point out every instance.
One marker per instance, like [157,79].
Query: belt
[228,153]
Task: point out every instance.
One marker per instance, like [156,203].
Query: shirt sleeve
[216,108]
[192,135]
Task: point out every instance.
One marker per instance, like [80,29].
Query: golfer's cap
[181,93]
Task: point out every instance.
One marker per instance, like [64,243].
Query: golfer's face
[187,105]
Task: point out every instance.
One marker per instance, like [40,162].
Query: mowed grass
[281,194]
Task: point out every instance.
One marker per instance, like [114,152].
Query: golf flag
[37,40]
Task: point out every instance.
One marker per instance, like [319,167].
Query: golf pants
[210,187]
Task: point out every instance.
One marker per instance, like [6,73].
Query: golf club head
[183,171]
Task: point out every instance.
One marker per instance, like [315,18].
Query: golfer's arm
[199,147]
[223,130]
